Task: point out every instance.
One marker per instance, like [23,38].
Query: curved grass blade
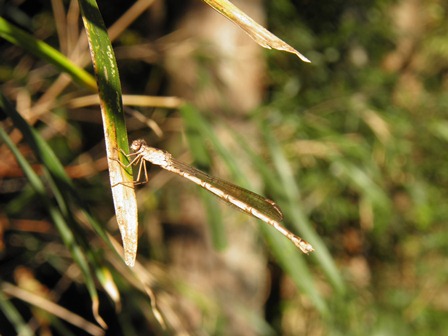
[115,134]
[43,51]
[258,33]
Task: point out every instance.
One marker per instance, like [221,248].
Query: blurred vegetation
[352,147]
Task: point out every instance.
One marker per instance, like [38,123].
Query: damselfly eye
[136,144]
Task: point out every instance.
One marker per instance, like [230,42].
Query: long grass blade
[115,134]
[43,51]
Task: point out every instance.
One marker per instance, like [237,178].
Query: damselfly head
[137,144]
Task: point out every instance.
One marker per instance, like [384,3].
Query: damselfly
[248,201]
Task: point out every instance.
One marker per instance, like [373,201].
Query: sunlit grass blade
[115,134]
[45,52]
[258,33]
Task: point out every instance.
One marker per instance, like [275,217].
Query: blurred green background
[351,146]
